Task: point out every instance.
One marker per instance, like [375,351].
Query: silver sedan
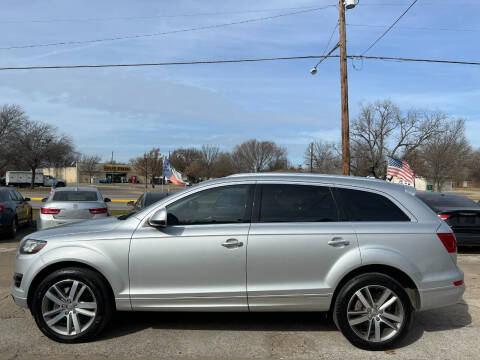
[72,204]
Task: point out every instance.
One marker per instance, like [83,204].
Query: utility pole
[344,90]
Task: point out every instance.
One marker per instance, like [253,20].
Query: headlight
[31,246]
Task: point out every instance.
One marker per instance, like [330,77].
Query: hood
[75,230]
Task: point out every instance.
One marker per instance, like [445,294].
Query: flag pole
[163,176]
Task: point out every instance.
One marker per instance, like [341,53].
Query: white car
[72,204]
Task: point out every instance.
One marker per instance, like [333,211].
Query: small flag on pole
[171,174]
[400,169]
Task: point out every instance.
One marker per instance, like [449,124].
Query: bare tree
[323,157]
[256,156]
[209,157]
[149,165]
[223,166]
[12,119]
[41,146]
[382,129]
[181,158]
[89,164]
[446,153]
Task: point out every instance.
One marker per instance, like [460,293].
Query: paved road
[449,333]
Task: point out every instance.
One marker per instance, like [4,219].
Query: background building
[111,173]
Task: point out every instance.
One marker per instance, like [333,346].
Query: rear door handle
[338,242]
[232,243]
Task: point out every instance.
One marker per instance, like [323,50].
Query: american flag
[401,169]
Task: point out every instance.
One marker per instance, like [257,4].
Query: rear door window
[75,196]
[297,203]
[358,205]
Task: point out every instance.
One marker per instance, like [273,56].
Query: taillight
[444,216]
[98,211]
[449,241]
[2,207]
[458,283]
[48,211]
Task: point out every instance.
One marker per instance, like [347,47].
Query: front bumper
[18,300]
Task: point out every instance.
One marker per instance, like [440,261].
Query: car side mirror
[44,199]
[26,199]
[159,218]
[131,203]
[107,200]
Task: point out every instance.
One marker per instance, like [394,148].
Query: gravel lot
[448,333]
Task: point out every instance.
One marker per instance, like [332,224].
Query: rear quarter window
[358,205]
[75,196]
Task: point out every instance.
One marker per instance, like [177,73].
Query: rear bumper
[441,296]
[47,221]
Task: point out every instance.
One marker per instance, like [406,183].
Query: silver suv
[368,252]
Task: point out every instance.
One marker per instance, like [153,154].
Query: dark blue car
[14,211]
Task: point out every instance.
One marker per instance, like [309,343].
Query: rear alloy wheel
[72,305]
[373,311]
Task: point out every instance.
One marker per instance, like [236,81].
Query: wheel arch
[403,278]
[62,265]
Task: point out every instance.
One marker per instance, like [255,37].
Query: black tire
[99,287]
[12,232]
[30,219]
[347,297]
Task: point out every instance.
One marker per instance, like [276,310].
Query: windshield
[146,209]
[75,196]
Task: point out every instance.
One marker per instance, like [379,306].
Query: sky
[130,110]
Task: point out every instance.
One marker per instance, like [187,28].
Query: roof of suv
[337,179]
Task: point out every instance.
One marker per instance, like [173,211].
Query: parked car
[368,252]
[147,199]
[459,212]
[67,205]
[14,211]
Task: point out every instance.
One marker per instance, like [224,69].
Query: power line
[114,18]
[205,27]
[415,28]
[389,28]
[246,60]
[330,39]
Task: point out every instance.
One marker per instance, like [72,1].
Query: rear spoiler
[409,189]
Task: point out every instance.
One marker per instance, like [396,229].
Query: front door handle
[337,241]
[232,243]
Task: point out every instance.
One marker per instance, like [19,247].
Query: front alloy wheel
[69,307]
[72,304]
